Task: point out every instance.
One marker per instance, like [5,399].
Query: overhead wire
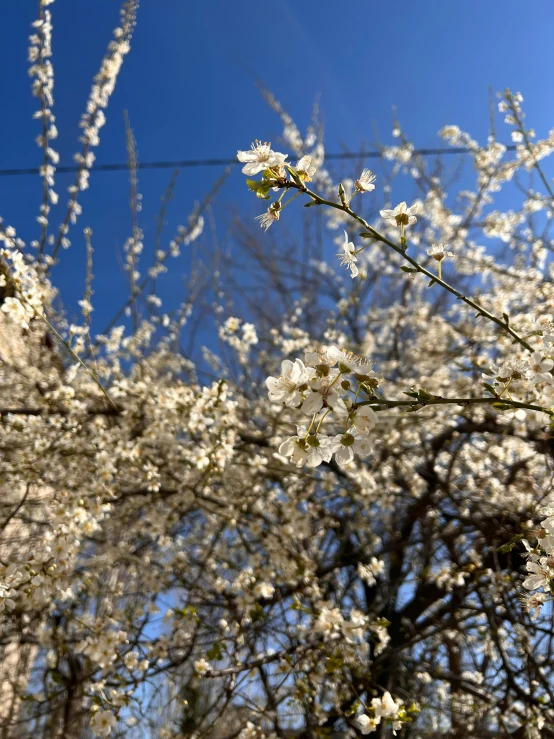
[186,163]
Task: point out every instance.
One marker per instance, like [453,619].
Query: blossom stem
[529,147]
[418,267]
[290,199]
[321,420]
[310,426]
[75,356]
[438,400]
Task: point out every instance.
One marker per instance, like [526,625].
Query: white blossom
[348,256]
[365,182]
[260,157]
[401,215]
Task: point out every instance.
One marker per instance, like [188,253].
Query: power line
[185,163]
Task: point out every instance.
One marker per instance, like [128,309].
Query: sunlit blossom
[401,216]
[348,256]
[261,156]
[365,182]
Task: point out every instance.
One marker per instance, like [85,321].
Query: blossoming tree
[346,527]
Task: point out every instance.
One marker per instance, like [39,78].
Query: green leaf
[261,188]
[408,269]
[506,317]
[295,176]
[366,235]
[310,204]
[431,282]
[505,548]
[501,407]
[214,652]
[490,388]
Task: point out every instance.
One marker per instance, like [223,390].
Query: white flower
[329,619]
[385,706]
[101,723]
[365,419]
[367,724]
[382,637]
[295,448]
[201,666]
[450,132]
[343,447]
[354,629]
[131,660]
[284,389]
[311,453]
[363,445]
[259,158]
[548,523]
[348,256]
[540,369]
[539,576]
[320,358]
[377,566]
[365,572]
[305,168]
[324,394]
[15,309]
[268,218]
[358,365]
[6,598]
[534,603]
[330,355]
[513,369]
[264,590]
[439,252]
[365,181]
[546,325]
[401,216]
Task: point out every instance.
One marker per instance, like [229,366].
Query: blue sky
[189,87]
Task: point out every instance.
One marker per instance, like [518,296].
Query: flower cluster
[321,389]
[41,69]
[94,118]
[381,709]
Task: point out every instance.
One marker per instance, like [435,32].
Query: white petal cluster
[319,389]
[260,157]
